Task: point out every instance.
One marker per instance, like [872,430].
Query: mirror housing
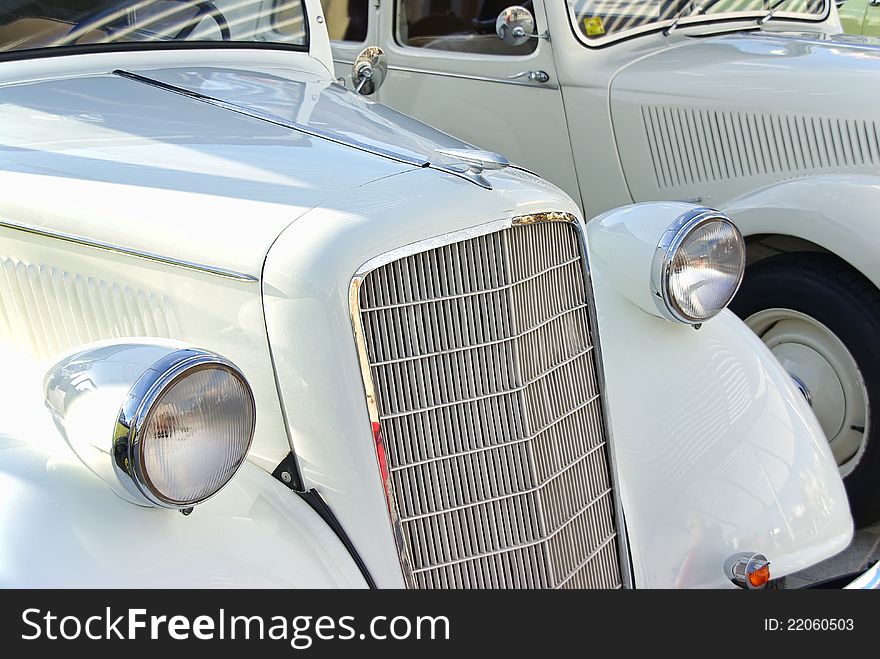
[369,70]
[515,26]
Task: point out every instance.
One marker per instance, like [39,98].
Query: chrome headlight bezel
[127,443]
[661,268]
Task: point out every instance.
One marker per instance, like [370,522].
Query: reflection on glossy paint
[101,137]
[737,464]
[312,102]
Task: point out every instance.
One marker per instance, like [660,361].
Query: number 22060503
[808,624]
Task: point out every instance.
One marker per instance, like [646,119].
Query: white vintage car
[756,107]
[257,330]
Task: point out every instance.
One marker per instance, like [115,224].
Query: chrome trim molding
[626,570]
[416,160]
[372,402]
[125,449]
[118,249]
[464,76]
[355,311]
[669,243]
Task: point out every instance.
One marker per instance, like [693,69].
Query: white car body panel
[836,212]
[254,534]
[680,490]
[743,111]
[715,451]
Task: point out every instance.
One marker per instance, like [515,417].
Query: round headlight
[698,266]
[185,428]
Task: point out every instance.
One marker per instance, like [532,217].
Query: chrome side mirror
[515,26]
[369,70]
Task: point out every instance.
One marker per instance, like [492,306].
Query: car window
[598,21]
[38,24]
[346,19]
[456,25]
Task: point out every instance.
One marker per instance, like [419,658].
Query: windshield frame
[701,19]
[158,45]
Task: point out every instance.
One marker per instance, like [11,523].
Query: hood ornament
[471,163]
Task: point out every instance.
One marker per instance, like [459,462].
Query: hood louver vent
[693,145]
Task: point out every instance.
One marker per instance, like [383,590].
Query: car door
[352,25]
[448,68]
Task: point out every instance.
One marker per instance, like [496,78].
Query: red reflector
[380,453]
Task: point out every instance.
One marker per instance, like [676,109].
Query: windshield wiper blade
[692,8]
[773,9]
[684,12]
[687,11]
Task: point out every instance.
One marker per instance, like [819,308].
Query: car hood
[821,65]
[311,103]
[717,116]
[128,162]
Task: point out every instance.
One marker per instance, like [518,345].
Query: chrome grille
[484,380]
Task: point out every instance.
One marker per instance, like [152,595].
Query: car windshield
[28,25]
[599,21]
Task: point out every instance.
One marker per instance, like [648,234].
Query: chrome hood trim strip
[420,161]
[119,249]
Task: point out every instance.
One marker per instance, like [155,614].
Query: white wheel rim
[821,364]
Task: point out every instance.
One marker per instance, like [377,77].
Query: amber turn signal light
[760,577]
[748,570]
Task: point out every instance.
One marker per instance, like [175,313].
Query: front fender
[60,526]
[715,450]
[838,213]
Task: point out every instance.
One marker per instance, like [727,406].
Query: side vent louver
[694,145]
[45,310]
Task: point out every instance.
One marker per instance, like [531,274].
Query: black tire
[827,289]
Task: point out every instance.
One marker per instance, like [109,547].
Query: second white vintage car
[760,108]
[351,350]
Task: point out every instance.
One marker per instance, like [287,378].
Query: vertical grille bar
[480,357]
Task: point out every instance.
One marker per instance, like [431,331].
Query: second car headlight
[698,266]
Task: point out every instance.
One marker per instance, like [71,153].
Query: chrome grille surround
[481,393]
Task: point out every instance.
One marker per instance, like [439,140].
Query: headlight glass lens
[196,434]
[704,269]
